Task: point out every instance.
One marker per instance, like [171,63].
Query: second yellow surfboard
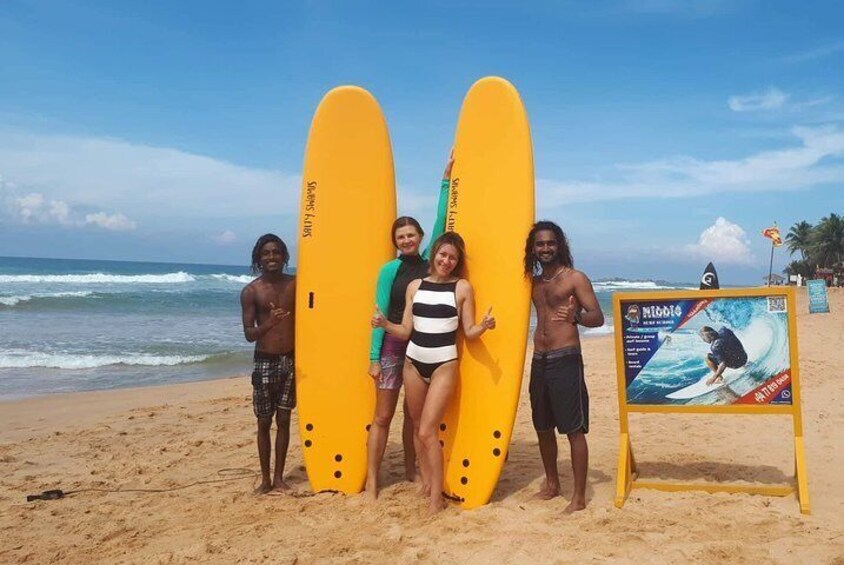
[491,205]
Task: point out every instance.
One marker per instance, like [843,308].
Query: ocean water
[76,325]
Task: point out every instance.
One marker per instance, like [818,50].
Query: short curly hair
[262,241]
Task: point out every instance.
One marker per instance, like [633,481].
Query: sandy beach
[171,436]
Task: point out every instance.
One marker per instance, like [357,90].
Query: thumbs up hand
[488,321]
[566,312]
[378,319]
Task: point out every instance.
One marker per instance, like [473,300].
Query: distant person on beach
[435,307]
[386,352]
[267,306]
[564,299]
[725,351]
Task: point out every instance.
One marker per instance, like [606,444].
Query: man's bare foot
[264,488]
[575,506]
[279,484]
[410,476]
[547,492]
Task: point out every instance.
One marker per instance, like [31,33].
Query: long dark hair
[563,251]
[403,221]
[454,239]
[262,241]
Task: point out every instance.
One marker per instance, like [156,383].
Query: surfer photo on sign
[564,299]
[726,351]
[434,309]
[387,352]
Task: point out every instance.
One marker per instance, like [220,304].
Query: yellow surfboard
[348,204]
[491,205]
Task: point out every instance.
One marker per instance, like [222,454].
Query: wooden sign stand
[627,477]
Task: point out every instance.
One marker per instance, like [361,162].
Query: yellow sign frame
[627,477]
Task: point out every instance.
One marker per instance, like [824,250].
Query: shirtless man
[563,298]
[267,305]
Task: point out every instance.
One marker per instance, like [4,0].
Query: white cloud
[818,53]
[30,206]
[60,211]
[811,103]
[152,182]
[696,9]
[816,161]
[113,222]
[225,238]
[771,99]
[722,242]
[35,208]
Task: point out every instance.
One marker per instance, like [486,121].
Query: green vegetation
[821,245]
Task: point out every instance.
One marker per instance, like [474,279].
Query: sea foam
[628,285]
[17,299]
[16,359]
[242,279]
[101,278]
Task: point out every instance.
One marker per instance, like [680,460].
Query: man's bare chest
[550,295]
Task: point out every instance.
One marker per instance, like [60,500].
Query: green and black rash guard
[398,273]
[412,267]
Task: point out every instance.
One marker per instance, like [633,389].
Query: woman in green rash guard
[386,354]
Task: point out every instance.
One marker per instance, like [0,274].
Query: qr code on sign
[776,304]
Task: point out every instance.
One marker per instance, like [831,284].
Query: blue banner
[818,303]
[706,351]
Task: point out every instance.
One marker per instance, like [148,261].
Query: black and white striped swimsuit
[433,340]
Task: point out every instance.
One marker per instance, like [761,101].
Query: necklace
[555,275]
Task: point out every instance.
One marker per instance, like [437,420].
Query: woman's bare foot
[548,491]
[424,489]
[370,491]
[436,506]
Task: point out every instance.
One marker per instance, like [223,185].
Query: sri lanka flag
[773,233]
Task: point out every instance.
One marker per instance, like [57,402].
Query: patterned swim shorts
[273,384]
[392,363]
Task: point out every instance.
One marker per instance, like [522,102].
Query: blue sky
[666,133]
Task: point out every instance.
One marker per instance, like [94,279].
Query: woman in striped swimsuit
[435,307]
[386,352]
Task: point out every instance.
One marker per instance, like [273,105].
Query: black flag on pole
[709,279]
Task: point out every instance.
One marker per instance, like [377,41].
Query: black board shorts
[558,395]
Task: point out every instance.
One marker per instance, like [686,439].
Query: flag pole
[772,233]
[771,265]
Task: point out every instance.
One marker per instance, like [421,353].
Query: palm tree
[826,244]
[798,238]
